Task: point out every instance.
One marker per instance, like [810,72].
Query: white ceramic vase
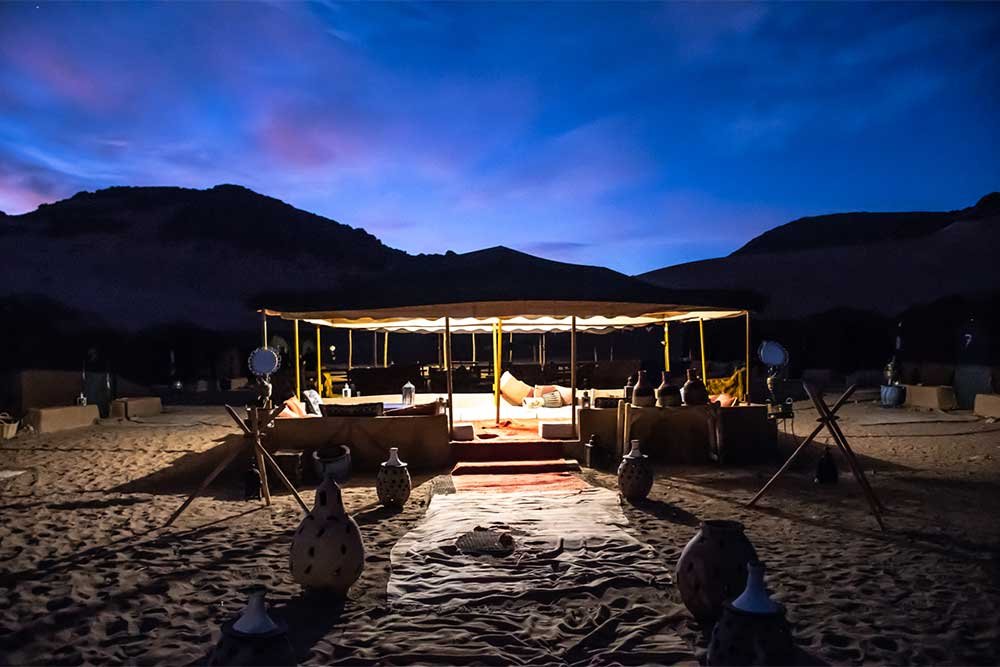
[635,475]
[393,482]
[327,550]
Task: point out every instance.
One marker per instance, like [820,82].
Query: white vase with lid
[393,483]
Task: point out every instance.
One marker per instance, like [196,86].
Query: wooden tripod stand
[260,419]
[828,419]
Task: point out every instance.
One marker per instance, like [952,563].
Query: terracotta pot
[694,392]
[253,638]
[667,395]
[327,551]
[712,568]
[635,475]
[643,394]
[393,481]
[753,629]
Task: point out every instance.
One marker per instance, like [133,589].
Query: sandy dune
[87,575]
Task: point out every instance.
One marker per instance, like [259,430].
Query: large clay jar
[253,638]
[327,551]
[393,481]
[667,395]
[643,394]
[635,475]
[712,568]
[753,629]
[693,392]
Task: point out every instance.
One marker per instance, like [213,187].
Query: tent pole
[263,319]
[350,348]
[298,365]
[385,350]
[701,333]
[319,363]
[375,349]
[498,351]
[473,348]
[447,366]
[572,372]
[746,387]
[666,346]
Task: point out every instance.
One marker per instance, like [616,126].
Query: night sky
[630,135]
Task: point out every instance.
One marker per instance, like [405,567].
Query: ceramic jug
[392,484]
[635,475]
[327,551]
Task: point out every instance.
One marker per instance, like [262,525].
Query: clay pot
[753,629]
[253,638]
[643,394]
[667,396]
[393,481]
[712,568]
[635,475]
[327,551]
[694,392]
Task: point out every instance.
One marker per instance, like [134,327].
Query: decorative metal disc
[264,361]
[772,353]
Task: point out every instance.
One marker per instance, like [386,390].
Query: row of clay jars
[643,395]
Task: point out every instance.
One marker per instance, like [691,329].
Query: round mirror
[264,361]
[772,353]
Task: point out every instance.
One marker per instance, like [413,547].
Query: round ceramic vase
[643,394]
[253,638]
[393,481]
[712,568]
[667,396]
[327,551]
[635,475]
[753,629]
[694,392]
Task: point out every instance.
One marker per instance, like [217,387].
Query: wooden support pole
[319,362]
[701,332]
[447,368]
[572,372]
[666,346]
[746,386]
[473,349]
[350,348]
[385,350]
[375,349]
[298,371]
[255,425]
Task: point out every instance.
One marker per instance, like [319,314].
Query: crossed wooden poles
[828,419]
[260,418]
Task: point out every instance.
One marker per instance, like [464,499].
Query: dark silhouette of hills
[884,263]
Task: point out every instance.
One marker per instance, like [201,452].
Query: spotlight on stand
[774,355]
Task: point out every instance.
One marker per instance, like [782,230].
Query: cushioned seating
[50,420]
[463,432]
[513,390]
[353,409]
[987,405]
[930,397]
[556,430]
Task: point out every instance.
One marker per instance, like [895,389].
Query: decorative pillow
[353,410]
[422,409]
[567,394]
[512,389]
[552,399]
[296,406]
[542,389]
[312,401]
[287,414]
[532,402]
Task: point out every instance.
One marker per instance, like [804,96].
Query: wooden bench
[51,420]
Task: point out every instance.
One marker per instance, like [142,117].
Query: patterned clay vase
[694,392]
[712,568]
[327,551]
[643,394]
[635,475]
[393,481]
[667,395]
[753,629]
[253,638]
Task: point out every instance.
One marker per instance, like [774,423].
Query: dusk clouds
[629,135]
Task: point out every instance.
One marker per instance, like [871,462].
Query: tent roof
[530,295]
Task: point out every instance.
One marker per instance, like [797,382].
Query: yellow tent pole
[298,364]
[385,350]
[473,349]
[447,368]
[263,319]
[666,346]
[746,387]
[572,372]
[319,363]
[701,331]
[350,348]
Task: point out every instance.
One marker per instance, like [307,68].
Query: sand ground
[88,576]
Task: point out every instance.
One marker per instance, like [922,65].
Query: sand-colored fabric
[518,483]
[513,390]
[555,550]
[930,397]
[422,441]
[51,420]
[987,405]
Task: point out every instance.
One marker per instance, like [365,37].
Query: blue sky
[628,135]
